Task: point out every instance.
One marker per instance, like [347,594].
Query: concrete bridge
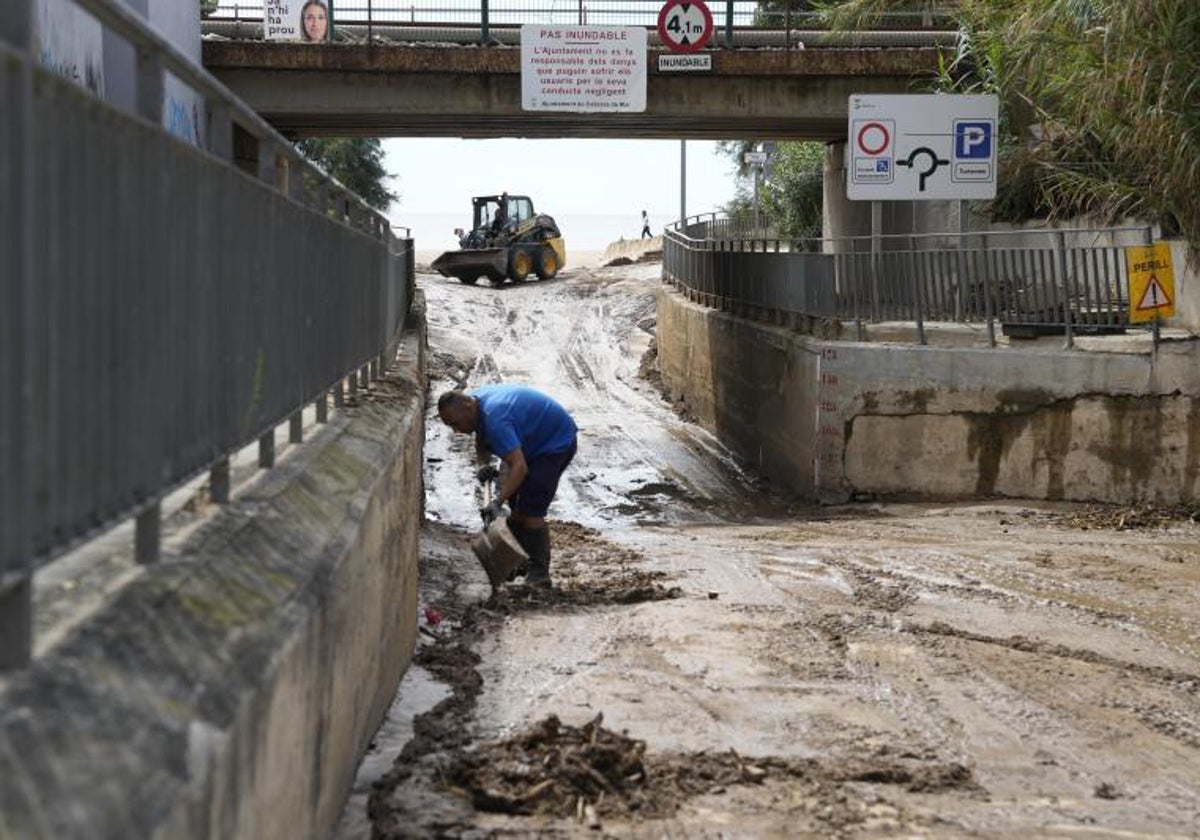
[454,90]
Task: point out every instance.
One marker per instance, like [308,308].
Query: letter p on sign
[972,140]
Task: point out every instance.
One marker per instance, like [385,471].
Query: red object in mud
[433,615]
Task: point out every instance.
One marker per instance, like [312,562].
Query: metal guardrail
[737,23]
[1026,280]
[167,305]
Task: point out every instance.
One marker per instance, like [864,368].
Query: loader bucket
[469,265]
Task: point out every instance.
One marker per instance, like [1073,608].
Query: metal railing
[736,22]
[165,305]
[1028,281]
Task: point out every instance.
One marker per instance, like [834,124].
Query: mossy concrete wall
[230,690]
[834,420]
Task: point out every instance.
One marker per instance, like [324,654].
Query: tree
[793,198]
[355,161]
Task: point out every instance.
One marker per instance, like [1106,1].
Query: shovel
[496,547]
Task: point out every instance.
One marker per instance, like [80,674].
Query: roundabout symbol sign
[685,26]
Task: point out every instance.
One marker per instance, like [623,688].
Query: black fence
[1067,280]
[165,306]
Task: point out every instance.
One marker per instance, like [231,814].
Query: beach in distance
[584,233]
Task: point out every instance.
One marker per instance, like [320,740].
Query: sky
[568,178]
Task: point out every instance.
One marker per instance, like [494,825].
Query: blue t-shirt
[517,417]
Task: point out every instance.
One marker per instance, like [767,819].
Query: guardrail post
[1060,242]
[322,406]
[16,24]
[266,170]
[147,536]
[918,293]
[987,293]
[352,382]
[266,449]
[295,183]
[16,601]
[876,256]
[296,428]
[149,75]
[364,381]
[218,481]
[16,625]
[220,130]
[339,394]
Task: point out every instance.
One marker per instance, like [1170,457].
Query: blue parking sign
[972,140]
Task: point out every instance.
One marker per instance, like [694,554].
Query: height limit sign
[685,27]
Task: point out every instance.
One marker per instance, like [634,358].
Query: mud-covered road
[718,662]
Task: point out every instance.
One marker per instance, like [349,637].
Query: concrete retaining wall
[833,420]
[633,250]
[230,690]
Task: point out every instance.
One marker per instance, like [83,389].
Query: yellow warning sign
[1151,282]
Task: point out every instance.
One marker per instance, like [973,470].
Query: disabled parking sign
[921,146]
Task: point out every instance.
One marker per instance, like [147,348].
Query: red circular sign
[862,138]
[685,26]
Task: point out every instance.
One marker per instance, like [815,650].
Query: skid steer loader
[507,241]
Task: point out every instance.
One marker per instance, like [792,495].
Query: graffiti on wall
[70,43]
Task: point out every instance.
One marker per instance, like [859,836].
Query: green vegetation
[791,197]
[1099,104]
[355,161]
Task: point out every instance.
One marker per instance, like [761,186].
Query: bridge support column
[845,218]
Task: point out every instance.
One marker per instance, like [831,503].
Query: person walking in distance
[535,439]
[646,226]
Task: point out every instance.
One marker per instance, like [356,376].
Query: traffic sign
[685,26]
[755,158]
[1151,282]
[921,146]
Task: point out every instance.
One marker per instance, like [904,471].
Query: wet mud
[717,661]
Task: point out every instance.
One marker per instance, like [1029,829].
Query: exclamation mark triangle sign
[1155,296]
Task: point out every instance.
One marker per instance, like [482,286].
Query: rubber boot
[539,556]
[522,535]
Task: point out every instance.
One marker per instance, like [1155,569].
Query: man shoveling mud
[535,437]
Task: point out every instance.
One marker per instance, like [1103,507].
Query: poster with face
[296,20]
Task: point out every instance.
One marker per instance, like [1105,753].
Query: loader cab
[494,212]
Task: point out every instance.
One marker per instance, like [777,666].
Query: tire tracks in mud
[447,782]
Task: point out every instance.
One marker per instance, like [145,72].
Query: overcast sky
[562,176]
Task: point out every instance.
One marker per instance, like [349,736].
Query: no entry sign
[685,26]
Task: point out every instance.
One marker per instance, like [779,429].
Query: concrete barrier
[1112,421]
[230,690]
